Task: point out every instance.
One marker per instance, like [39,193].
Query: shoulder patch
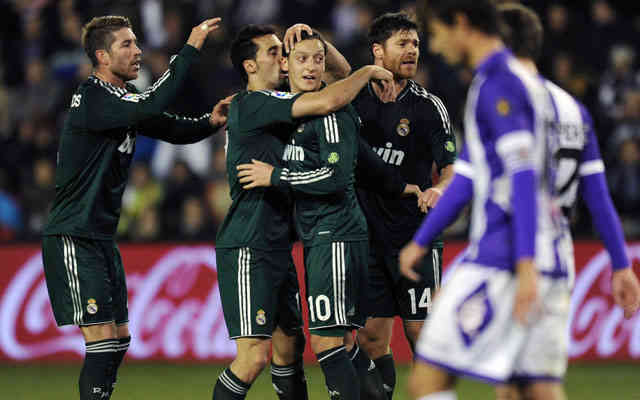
[333,158]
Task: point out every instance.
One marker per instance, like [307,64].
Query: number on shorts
[321,308]
[425,300]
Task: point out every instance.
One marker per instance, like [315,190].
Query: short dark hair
[383,27]
[482,14]
[97,34]
[243,47]
[524,32]
[304,35]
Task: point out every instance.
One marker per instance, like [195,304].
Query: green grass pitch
[195,381]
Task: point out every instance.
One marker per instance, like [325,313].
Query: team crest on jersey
[261,317]
[403,127]
[333,158]
[474,314]
[92,307]
[503,107]
[448,146]
[281,95]
[132,97]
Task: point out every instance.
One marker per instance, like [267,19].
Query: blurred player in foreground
[84,272]
[482,319]
[580,169]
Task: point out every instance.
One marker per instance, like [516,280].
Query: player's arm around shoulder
[338,94]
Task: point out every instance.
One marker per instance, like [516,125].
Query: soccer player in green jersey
[83,269]
[321,157]
[258,285]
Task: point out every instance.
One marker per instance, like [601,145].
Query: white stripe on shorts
[71,265]
[244,291]
[339,282]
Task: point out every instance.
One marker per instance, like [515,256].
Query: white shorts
[471,330]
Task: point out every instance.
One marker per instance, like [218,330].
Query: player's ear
[103,57]
[460,20]
[251,66]
[378,51]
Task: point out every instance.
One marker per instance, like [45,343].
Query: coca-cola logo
[174,311]
[597,324]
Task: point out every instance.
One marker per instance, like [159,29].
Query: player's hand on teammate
[408,259]
[199,32]
[626,290]
[429,198]
[411,190]
[527,291]
[256,174]
[294,34]
[384,78]
[220,112]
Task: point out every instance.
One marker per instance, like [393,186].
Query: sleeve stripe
[591,167]
[331,128]
[442,110]
[300,176]
[313,176]
[463,168]
[444,115]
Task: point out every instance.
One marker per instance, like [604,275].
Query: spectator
[143,192]
[624,182]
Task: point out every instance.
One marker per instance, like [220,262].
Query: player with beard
[258,284]
[82,264]
[409,134]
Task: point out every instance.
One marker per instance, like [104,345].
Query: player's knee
[544,391]
[373,343]
[94,333]
[425,379]
[508,392]
[412,332]
[323,343]
[288,349]
[253,356]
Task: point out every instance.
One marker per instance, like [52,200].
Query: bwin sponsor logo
[390,155]
[293,153]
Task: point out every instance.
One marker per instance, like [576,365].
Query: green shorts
[259,291]
[85,280]
[336,278]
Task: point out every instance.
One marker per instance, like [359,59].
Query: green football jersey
[97,144]
[259,124]
[321,158]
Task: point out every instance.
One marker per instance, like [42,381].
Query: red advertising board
[175,312]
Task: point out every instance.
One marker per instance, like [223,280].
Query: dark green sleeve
[177,129]
[263,108]
[109,109]
[375,175]
[443,142]
[337,138]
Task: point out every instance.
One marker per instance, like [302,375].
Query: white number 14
[425,300]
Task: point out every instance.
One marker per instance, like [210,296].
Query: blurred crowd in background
[180,192]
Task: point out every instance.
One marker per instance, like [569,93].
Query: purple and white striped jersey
[580,170]
[506,168]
